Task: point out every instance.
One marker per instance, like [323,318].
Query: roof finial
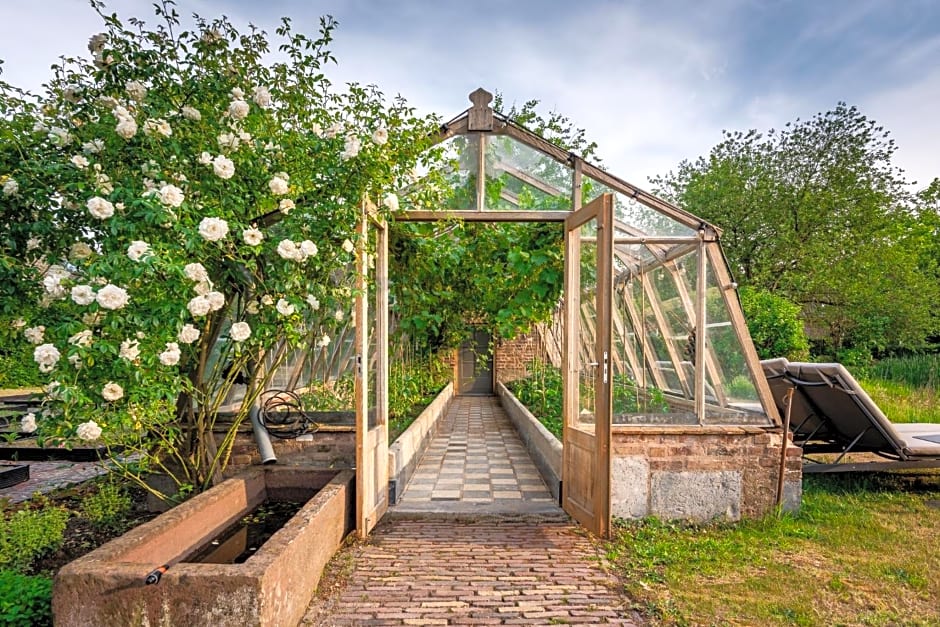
[481,114]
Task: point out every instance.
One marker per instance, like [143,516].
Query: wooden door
[475,366]
[586,364]
[371,377]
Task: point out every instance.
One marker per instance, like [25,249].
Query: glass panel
[734,399]
[634,218]
[451,185]
[587,320]
[520,177]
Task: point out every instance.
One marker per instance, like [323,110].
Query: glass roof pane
[521,177]
[450,185]
[635,219]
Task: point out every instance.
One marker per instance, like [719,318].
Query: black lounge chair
[831,413]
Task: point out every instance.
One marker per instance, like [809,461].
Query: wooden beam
[487,215]
[528,179]
[481,171]
[666,331]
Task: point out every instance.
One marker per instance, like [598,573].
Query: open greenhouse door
[372,374]
[585,365]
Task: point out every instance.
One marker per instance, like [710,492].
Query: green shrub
[25,601]
[411,386]
[541,393]
[108,507]
[775,325]
[30,533]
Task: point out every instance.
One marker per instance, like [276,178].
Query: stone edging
[405,453]
[544,448]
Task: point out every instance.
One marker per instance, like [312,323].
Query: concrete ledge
[405,453]
[544,448]
[274,586]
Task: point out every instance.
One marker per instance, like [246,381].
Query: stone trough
[273,587]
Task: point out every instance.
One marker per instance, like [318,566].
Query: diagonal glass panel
[519,177]
[636,218]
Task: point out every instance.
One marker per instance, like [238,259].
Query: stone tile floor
[48,476]
[476,465]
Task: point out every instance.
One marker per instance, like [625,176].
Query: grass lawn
[862,551]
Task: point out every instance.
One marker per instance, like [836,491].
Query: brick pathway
[48,476]
[438,572]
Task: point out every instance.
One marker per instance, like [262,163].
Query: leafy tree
[817,214]
[774,324]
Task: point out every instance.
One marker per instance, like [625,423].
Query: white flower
[171,195]
[286,205]
[92,318]
[19,323]
[284,307]
[316,129]
[351,147]
[262,96]
[79,161]
[100,208]
[96,42]
[171,356]
[348,246]
[126,127]
[83,295]
[35,335]
[252,307]
[198,306]
[53,285]
[213,229]
[380,136]
[11,187]
[324,341]
[136,90]
[108,102]
[244,136]
[72,94]
[112,297]
[338,315]
[60,136]
[188,334]
[158,126]
[82,338]
[28,423]
[52,390]
[33,243]
[237,93]
[278,186]
[238,109]
[203,287]
[103,183]
[228,140]
[252,236]
[239,332]
[223,167]
[391,202]
[46,355]
[93,147]
[288,249]
[196,272]
[138,250]
[76,361]
[216,300]
[313,302]
[333,130]
[79,251]
[307,249]
[191,113]
[130,350]
[205,158]
[88,431]
[267,300]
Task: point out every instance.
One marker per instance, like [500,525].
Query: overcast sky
[652,82]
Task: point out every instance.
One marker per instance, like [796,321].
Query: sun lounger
[831,413]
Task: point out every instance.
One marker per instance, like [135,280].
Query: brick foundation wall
[700,473]
[512,357]
[323,449]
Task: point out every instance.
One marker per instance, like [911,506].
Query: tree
[817,214]
[177,215]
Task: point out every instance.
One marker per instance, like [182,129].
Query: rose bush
[186,213]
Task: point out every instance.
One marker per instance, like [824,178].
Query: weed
[107,508]
[25,601]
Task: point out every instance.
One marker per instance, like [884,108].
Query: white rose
[338,315]
[313,302]
[324,341]
[82,338]
[262,96]
[198,306]
[11,187]
[158,126]
[267,300]
[88,431]
[284,307]
[333,130]
[126,127]
[53,286]
[96,42]
[287,249]
[252,236]
[308,249]
[380,136]
[112,297]
[228,140]
[93,147]
[239,332]
[391,202]
[171,195]
[252,307]
[316,129]
[60,136]
[138,250]
[223,167]
[196,272]
[112,391]
[35,335]
[244,136]
[213,229]
[79,251]
[79,161]
[204,158]
[100,208]
[237,93]
[171,356]
[83,295]
[286,205]
[46,355]
[136,90]
[348,246]
[28,423]
[216,300]
[278,186]
[76,361]
[103,183]
[130,350]
[191,113]
[238,109]
[203,287]
[188,334]
[351,147]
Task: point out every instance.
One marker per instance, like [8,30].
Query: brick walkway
[48,476]
[438,572]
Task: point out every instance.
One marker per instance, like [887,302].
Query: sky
[652,83]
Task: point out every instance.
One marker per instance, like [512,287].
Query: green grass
[907,389]
[862,551]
